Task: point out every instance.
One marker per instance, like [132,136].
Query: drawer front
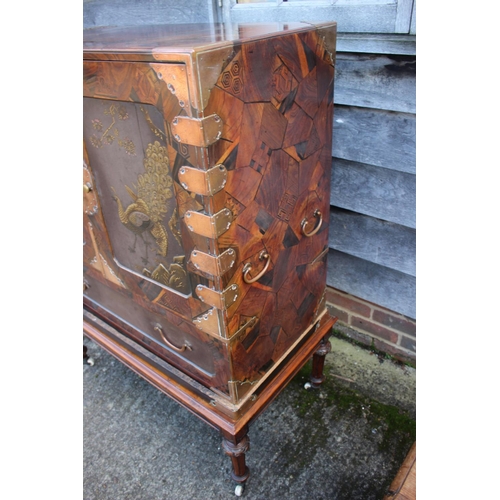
[172,338]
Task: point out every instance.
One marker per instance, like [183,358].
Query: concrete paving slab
[344,441]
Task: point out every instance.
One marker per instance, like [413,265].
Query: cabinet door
[129,157]
[133,163]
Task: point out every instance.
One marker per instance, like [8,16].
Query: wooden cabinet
[207,157]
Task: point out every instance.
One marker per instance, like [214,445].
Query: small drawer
[191,352]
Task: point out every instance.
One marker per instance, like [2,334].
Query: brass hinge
[209,323]
[199,132]
[220,300]
[214,265]
[211,226]
[204,182]
[174,75]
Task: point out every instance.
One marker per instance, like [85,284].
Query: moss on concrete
[391,428]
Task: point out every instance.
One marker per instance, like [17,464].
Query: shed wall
[373,194]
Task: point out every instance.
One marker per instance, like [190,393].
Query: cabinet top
[149,40]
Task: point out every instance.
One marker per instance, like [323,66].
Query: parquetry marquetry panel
[278,97]
[270,103]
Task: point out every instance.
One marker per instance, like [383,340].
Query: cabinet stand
[232,423]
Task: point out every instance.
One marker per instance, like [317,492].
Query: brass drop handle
[318,215]
[248,268]
[159,329]
[87,188]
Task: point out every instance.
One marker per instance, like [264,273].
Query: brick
[395,351]
[408,343]
[345,301]
[339,313]
[350,333]
[399,323]
[374,329]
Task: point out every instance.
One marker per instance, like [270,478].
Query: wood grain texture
[374,191]
[378,284]
[413,23]
[139,83]
[156,37]
[372,43]
[375,137]
[144,12]
[374,240]
[276,147]
[376,81]
[373,176]
[370,17]
[403,16]
[361,134]
[404,485]
[231,421]
[274,97]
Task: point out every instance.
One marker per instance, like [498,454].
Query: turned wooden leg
[318,362]
[236,449]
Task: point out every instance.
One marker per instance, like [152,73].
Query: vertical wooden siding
[373,220]
[139,12]
[372,228]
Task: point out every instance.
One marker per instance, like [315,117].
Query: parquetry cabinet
[206,181]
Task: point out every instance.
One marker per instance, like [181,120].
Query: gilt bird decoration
[150,203]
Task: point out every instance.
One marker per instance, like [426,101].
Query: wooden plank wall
[373,220]
[139,12]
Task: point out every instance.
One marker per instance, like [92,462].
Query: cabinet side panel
[275,99]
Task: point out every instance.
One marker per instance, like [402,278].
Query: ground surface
[345,441]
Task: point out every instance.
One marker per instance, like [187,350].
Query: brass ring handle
[248,268]
[317,213]
[159,329]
